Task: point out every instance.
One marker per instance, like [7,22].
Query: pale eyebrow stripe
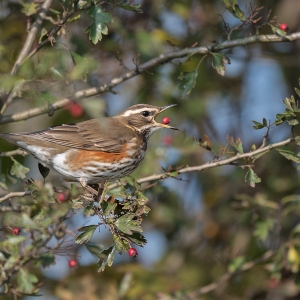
[133,112]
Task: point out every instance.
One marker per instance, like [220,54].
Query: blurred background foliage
[207,223]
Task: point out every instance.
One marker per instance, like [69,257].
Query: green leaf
[236,263]
[126,224]
[29,9]
[82,66]
[256,156]
[251,178]
[234,9]
[131,7]
[188,82]
[262,228]
[18,170]
[289,155]
[26,282]
[20,220]
[12,240]
[219,61]
[108,206]
[277,30]
[297,91]
[98,25]
[137,238]
[86,235]
[293,122]
[120,243]
[46,259]
[237,144]
[93,249]
[106,257]
[43,170]
[258,125]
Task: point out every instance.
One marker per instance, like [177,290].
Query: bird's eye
[145,113]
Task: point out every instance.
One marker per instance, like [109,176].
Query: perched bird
[95,150]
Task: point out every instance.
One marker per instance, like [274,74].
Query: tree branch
[247,266]
[14,152]
[161,59]
[32,34]
[210,165]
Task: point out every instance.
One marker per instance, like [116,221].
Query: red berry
[284,27]
[76,110]
[73,263]
[132,252]
[167,140]
[166,120]
[62,197]
[16,231]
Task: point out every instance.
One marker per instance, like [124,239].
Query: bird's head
[141,117]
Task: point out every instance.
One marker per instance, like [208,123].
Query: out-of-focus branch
[224,278]
[13,152]
[209,165]
[13,195]
[161,59]
[32,34]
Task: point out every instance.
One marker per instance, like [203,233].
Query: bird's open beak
[165,125]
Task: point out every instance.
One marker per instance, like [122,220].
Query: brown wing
[98,134]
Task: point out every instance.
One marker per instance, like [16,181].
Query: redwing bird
[96,150]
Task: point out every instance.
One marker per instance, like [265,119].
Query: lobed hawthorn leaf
[98,25]
[126,224]
[132,7]
[289,155]
[120,243]
[218,62]
[18,169]
[188,82]
[26,282]
[86,235]
[251,178]
[258,125]
[106,257]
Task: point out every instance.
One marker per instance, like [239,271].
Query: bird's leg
[102,190]
[89,188]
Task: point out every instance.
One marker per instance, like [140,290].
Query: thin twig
[13,152]
[14,194]
[163,58]
[32,34]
